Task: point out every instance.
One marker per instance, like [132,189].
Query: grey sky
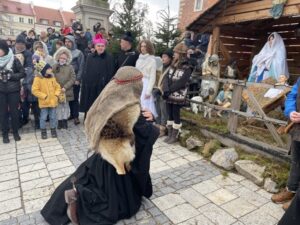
[154,5]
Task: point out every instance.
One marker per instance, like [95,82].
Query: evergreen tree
[167,31]
[129,16]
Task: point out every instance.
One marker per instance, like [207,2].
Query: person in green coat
[65,76]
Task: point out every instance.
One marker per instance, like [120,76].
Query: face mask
[62,62]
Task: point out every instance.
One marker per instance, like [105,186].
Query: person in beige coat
[65,76]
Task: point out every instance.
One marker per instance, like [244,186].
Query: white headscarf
[274,55]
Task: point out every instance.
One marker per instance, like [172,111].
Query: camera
[77,26]
[5,75]
[96,27]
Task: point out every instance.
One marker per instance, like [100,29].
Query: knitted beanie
[42,67]
[169,53]
[4,47]
[20,39]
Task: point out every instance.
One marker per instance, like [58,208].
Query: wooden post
[216,40]
[270,126]
[225,53]
[236,104]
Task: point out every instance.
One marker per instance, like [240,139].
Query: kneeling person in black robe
[109,186]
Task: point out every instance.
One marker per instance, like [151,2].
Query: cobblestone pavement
[188,190]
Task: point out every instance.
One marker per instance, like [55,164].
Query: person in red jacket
[66,30]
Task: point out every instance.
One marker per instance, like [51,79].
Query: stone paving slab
[188,190]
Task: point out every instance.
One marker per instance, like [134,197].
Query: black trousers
[294,176]
[9,103]
[74,105]
[174,112]
[26,105]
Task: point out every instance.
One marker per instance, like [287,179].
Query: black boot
[53,133]
[60,124]
[17,136]
[76,121]
[44,133]
[65,124]
[5,138]
[169,130]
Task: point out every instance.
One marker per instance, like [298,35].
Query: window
[56,23]
[45,22]
[11,32]
[1,31]
[30,21]
[198,5]
[21,19]
[10,18]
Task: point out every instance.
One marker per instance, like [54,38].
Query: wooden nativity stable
[240,28]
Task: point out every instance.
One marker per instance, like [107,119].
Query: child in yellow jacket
[47,90]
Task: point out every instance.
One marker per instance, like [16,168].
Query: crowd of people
[56,74]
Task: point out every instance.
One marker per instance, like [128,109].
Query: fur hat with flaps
[181,48]
[63,50]
[110,120]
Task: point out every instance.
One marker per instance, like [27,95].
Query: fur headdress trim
[126,81]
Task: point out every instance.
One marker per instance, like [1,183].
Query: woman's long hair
[178,63]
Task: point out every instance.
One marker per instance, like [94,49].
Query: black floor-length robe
[292,215]
[104,196]
[99,69]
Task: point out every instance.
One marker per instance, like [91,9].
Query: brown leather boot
[286,205]
[282,196]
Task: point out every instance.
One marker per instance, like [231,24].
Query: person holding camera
[11,72]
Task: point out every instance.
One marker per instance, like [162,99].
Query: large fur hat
[110,120]
[63,50]
[181,48]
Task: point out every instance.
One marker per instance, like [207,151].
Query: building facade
[190,10]
[15,17]
[55,18]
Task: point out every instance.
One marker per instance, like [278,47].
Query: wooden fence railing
[234,110]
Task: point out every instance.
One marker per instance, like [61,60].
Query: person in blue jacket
[292,111]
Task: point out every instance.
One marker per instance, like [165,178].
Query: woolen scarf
[7,60]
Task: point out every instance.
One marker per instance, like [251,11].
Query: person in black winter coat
[81,42]
[20,48]
[30,39]
[11,72]
[128,56]
[99,69]
[175,86]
